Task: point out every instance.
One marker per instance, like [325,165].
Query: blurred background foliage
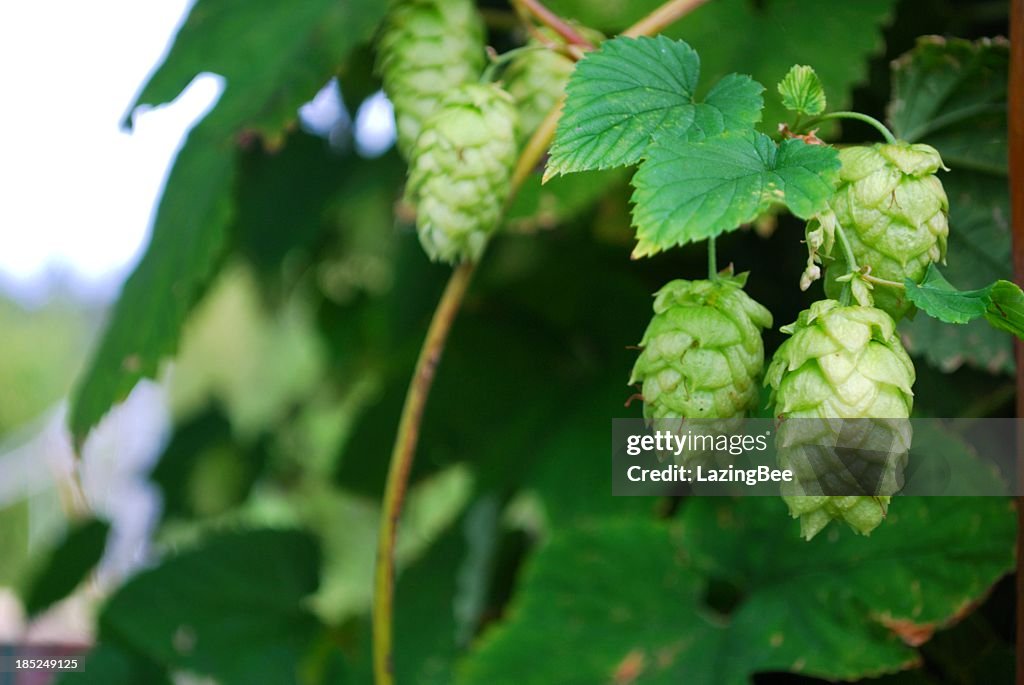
[293,298]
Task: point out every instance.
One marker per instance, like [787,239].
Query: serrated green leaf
[689,191]
[67,566]
[274,55]
[763,38]
[1001,303]
[938,298]
[632,90]
[231,608]
[802,92]
[769,37]
[830,608]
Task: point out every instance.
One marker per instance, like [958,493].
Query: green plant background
[293,302]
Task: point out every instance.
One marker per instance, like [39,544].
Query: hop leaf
[702,352]
[802,92]
[838,363]
[427,48]
[630,89]
[459,171]
[894,211]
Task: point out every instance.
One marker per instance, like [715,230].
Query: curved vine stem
[554,22]
[1016,156]
[662,17]
[856,116]
[401,465]
[426,365]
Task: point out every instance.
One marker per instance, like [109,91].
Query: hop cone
[702,352]
[536,80]
[894,211]
[427,48]
[459,171]
[841,363]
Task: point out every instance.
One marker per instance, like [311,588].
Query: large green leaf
[733,591]
[230,608]
[187,245]
[689,191]
[951,94]
[764,38]
[274,56]
[632,90]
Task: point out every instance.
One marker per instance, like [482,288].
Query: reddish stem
[1016,144]
[555,23]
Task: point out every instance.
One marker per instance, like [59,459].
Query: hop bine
[894,211]
[841,363]
[460,171]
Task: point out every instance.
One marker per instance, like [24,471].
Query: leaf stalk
[855,116]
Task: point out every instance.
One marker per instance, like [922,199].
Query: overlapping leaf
[691,191]
[633,89]
[835,607]
[951,94]
[231,608]
[274,56]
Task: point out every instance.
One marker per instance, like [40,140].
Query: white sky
[76,192]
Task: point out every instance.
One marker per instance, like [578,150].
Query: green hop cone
[427,48]
[841,363]
[894,211]
[460,171]
[536,80]
[702,352]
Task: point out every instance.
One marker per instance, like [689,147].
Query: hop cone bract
[460,169]
[841,362]
[702,352]
[536,80]
[894,211]
[427,48]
